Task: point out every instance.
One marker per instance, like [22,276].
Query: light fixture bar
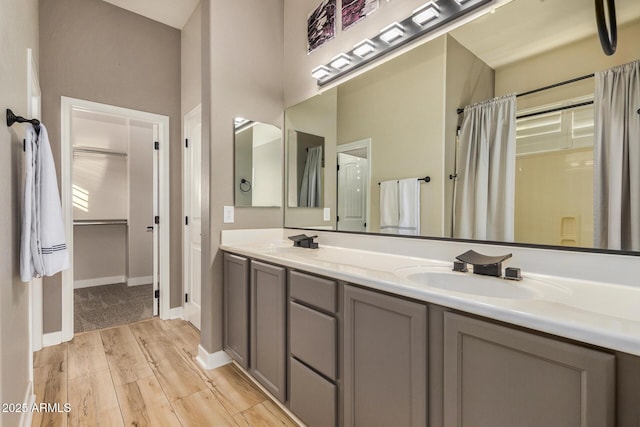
[391,32]
[425,13]
[364,48]
[433,15]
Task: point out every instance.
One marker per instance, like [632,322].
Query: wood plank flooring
[145,374]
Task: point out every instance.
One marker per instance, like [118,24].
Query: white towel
[389,215]
[409,202]
[44,249]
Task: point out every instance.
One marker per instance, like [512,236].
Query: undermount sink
[471,284]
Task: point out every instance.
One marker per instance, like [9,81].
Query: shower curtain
[617,158]
[311,187]
[485,187]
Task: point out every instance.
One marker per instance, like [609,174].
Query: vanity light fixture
[364,48]
[425,13]
[391,32]
[320,72]
[340,61]
[431,16]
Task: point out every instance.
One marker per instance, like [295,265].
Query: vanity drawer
[313,338]
[312,398]
[316,291]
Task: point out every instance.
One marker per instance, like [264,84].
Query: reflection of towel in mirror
[409,203]
[44,249]
[389,214]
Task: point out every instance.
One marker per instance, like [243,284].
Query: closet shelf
[100,222]
[97,150]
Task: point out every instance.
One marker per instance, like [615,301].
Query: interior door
[193,219]
[156,233]
[353,181]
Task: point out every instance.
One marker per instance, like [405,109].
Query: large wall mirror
[258,164]
[406,111]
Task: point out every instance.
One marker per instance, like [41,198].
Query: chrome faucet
[485,265]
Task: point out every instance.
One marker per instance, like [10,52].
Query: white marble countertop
[601,314]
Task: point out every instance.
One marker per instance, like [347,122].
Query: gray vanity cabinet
[236,308]
[385,360]
[313,342]
[268,327]
[498,376]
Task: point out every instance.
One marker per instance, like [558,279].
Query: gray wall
[95,51]
[191,66]
[236,87]
[19,25]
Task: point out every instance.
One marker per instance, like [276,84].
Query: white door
[156,234]
[192,210]
[353,179]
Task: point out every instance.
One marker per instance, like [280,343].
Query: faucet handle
[484,264]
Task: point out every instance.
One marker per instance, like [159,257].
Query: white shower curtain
[485,186]
[311,187]
[617,158]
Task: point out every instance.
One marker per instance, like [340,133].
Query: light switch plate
[327,214]
[229,214]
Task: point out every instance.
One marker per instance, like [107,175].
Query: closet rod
[98,151]
[540,89]
[425,179]
[12,118]
[100,222]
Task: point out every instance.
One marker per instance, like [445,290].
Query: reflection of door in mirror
[306,167]
[353,185]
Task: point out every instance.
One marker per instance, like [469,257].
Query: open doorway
[112,197]
[115,192]
[354,172]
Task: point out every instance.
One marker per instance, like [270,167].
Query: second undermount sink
[470,284]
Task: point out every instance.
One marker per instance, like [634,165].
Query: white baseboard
[29,400]
[137,281]
[175,313]
[212,360]
[52,338]
[99,281]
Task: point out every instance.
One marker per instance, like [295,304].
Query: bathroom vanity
[348,337]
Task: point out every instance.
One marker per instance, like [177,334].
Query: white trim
[29,400]
[137,281]
[52,338]
[210,361]
[270,396]
[162,123]
[363,143]
[98,281]
[176,313]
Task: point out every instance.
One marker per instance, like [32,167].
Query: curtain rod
[540,89]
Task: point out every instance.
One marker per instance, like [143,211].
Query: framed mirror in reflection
[407,109]
[258,164]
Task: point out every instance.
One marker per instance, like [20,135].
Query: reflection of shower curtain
[617,158]
[485,189]
[311,187]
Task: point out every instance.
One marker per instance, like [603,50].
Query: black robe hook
[12,118]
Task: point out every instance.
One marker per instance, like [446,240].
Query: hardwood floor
[145,374]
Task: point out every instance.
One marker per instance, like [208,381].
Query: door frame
[186,181]
[362,143]
[67,106]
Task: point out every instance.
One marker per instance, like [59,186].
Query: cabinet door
[498,376]
[236,308]
[385,360]
[268,322]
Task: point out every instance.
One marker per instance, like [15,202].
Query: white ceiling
[524,28]
[174,13]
